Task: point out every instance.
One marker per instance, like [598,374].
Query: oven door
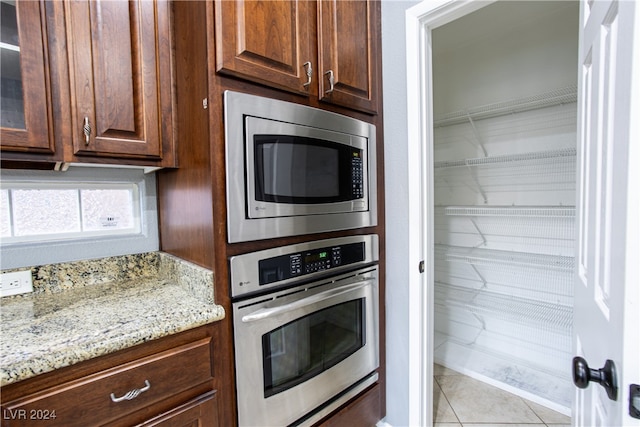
[299,348]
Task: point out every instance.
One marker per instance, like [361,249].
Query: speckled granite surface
[86,309]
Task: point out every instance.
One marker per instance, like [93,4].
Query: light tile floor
[461,401]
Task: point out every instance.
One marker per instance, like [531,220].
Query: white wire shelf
[543,284]
[509,211]
[543,345]
[531,342]
[537,158]
[547,229]
[497,177]
[547,99]
[508,308]
[478,256]
[536,291]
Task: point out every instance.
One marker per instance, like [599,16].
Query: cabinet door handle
[330,76]
[309,71]
[87,130]
[130,395]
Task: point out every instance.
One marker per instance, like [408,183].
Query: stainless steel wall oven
[293,169]
[305,328]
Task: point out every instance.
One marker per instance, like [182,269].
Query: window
[43,211]
[103,230]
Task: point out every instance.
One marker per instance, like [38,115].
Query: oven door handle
[263,313]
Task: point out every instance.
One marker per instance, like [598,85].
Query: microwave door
[295,170]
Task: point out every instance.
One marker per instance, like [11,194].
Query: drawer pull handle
[130,395]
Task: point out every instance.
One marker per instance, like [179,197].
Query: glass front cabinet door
[25,101]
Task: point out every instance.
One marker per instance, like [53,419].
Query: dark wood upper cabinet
[264,41]
[273,43]
[26,118]
[87,81]
[120,70]
[347,53]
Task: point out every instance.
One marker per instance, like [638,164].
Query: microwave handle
[268,312]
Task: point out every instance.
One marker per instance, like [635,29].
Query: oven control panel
[298,264]
[261,271]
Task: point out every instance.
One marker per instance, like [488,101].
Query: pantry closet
[504,107]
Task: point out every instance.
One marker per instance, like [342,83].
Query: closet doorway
[517,202]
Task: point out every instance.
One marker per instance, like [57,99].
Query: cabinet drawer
[133,386]
[201,411]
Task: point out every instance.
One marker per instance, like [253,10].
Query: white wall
[504,51]
[396,195]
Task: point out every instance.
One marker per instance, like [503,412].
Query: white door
[607,301]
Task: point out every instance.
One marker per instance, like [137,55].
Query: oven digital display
[314,257]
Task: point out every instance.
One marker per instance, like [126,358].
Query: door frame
[421,19]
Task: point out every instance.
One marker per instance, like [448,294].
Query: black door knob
[605,376]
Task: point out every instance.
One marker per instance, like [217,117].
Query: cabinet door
[348,46]
[26,121]
[118,60]
[264,41]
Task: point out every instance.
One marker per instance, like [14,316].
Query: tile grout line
[541,422]
[533,410]
[448,402]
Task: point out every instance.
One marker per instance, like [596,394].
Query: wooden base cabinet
[329,53]
[165,383]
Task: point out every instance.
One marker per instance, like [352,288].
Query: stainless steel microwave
[293,169]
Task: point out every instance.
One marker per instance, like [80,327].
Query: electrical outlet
[17,282]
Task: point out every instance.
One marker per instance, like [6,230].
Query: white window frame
[34,253]
[77,186]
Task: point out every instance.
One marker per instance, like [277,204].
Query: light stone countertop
[85,309]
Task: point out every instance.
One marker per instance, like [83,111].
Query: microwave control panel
[299,264]
[356,175]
